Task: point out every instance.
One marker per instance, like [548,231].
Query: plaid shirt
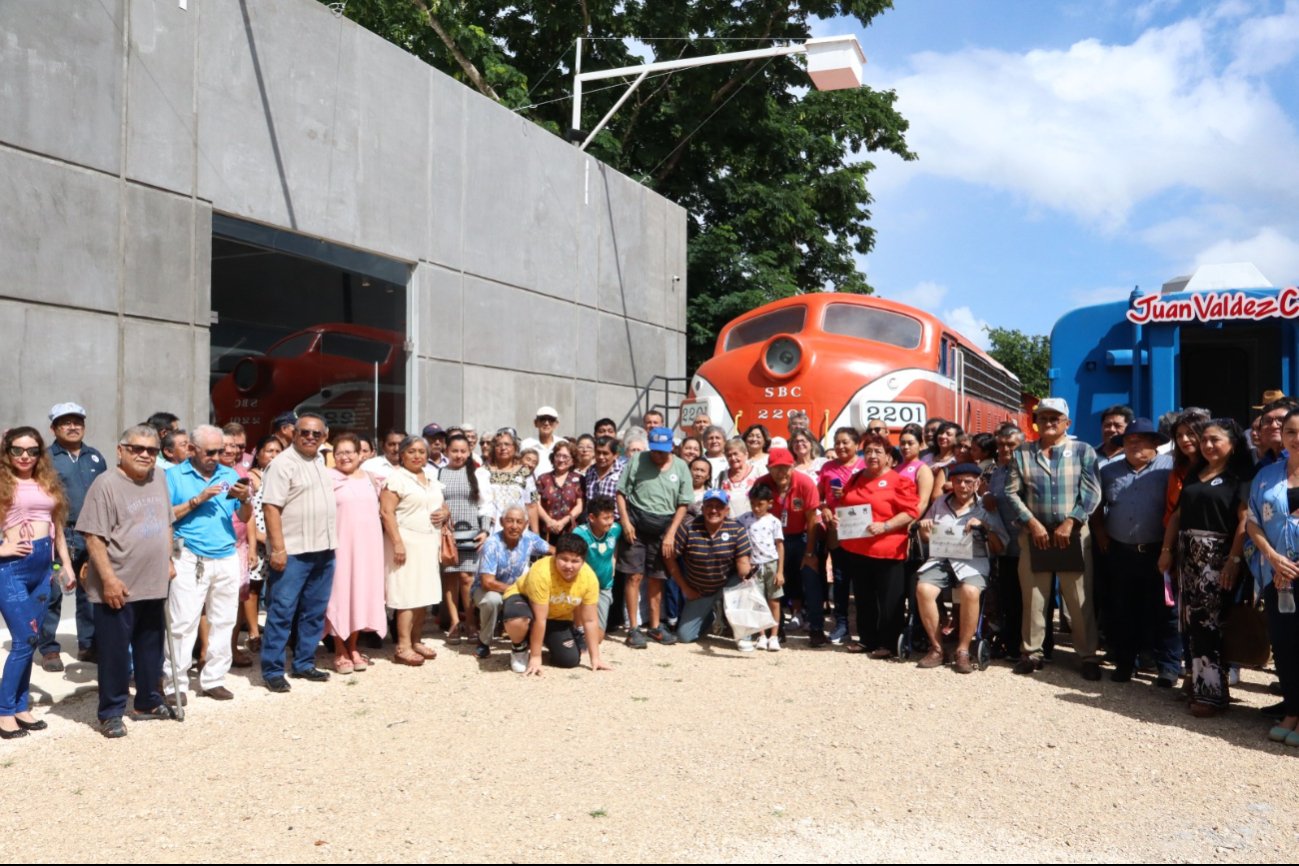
[1053,488]
[606,486]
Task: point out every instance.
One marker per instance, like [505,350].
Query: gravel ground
[681,753]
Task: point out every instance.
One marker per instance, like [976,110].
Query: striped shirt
[710,559]
[1055,487]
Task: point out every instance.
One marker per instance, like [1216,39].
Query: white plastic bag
[747,609]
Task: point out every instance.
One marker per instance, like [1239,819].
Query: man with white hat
[546,421]
[78,466]
[1052,489]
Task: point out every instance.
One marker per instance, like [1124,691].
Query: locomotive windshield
[786,320]
[869,323]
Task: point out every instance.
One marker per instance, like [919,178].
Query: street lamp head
[835,62]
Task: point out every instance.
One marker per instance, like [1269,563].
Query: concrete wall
[537,274]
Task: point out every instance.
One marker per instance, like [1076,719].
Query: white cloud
[926,295]
[1096,129]
[966,323]
[1275,254]
[1266,43]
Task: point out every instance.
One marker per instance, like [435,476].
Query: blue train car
[1218,339]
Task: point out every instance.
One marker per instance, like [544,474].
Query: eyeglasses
[1272,421]
[137,450]
[312,434]
[71,422]
[19,451]
[213,452]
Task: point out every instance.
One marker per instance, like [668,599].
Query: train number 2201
[773,414]
[896,413]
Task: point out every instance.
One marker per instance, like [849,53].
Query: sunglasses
[213,452]
[19,451]
[312,434]
[137,450]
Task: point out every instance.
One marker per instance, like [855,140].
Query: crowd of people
[191,547]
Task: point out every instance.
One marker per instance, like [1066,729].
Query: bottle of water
[1285,600]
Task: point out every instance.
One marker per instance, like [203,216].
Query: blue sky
[1071,150]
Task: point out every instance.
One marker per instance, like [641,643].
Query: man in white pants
[204,498]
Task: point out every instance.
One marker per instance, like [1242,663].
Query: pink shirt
[835,477]
[31,505]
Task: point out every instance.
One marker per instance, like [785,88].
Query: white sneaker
[519,661]
[1233,676]
[744,645]
[773,645]
[761,643]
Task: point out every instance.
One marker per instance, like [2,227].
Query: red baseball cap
[779,457]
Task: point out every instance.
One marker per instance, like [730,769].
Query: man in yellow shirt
[541,608]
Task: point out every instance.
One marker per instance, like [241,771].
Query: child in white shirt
[767,546]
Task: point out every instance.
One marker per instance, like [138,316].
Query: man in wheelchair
[962,535]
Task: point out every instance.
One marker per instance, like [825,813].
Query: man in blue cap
[653,492]
[1129,530]
[715,551]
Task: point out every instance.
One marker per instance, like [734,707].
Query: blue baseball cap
[717,493]
[660,439]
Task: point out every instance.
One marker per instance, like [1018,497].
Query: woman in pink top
[356,601]
[33,511]
[910,443]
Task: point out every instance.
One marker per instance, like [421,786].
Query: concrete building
[531,273]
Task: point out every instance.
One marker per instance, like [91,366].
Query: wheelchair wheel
[904,647]
[983,654]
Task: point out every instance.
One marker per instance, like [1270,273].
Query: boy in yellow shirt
[541,607]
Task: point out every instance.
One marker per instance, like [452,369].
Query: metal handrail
[670,408]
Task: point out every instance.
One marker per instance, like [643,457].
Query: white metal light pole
[833,62]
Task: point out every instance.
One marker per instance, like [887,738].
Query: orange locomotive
[844,360]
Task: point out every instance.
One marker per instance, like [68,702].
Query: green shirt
[651,491]
[600,552]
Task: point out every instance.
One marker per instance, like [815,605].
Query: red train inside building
[844,360]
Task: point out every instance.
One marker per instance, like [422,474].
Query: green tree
[773,174]
[1028,356]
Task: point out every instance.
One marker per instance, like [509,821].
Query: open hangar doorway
[304,325]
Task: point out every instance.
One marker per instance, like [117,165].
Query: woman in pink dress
[356,602]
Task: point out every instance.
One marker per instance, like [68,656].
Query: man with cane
[126,522]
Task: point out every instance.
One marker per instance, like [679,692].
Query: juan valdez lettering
[1214,306]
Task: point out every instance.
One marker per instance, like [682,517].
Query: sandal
[455,635]
[407,657]
[426,651]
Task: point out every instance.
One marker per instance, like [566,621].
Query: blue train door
[1226,366]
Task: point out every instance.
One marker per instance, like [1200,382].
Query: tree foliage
[1027,356]
[772,173]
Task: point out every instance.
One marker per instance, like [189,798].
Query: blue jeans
[133,632]
[296,596]
[672,599]
[697,614]
[49,638]
[24,592]
[810,579]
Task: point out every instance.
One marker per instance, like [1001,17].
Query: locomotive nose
[782,357]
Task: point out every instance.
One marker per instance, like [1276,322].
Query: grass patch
[640,700]
[598,813]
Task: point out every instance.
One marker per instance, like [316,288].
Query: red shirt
[790,508]
[888,494]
